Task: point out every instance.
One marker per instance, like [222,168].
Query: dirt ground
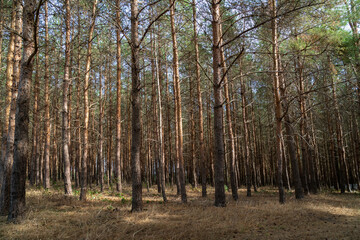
[50,215]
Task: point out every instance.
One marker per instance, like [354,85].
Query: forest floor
[51,215]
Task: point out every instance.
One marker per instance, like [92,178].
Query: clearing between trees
[51,215]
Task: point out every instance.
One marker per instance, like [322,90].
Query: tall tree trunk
[218,107]
[246,134]
[84,159]
[192,135]
[161,139]
[109,119]
[277,100]
[137,204]
[47,104]
[308,159]
[9,155]
[233,180]
[199,98]
[35,135]
[344,173]
[154,129]
[101,137]
[290,140]
[78,102]
[178,114]
[1,27]
[9,84]
[168,110]
[18,177]
[65,113]
[118,99]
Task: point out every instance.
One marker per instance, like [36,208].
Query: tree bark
[233,180]
[277,100]
[9,155]
[1,28]
[246,135]
[218,108]
[65,113]
[84,159]
[178,113]
[137,204]
[290,140]
[78,103]
[118,99]
[9,84]
[18,177]
[344,172]
[161,141]
[47,104]
[101,132]
[199,99]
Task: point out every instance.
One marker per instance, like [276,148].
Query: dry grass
[107,216]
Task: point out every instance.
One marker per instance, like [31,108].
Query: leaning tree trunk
[18,178]
[218,108]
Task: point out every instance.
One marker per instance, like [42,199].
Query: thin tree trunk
[199,98]
[218,107]
[178,114]
[118,99]
[246,135]
[78,100]
[109,121]
[277,100]
[65,113]
[168,108]
[308,159]
[84,159]
[290,141]
[36,146]
[233,180]
[192,135]
[101,132]
[344,174]
[47,104]
[161,142]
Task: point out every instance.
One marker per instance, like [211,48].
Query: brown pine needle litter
[51,215]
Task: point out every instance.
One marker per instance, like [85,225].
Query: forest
[180,119]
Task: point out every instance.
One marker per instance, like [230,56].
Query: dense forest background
[220,93]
